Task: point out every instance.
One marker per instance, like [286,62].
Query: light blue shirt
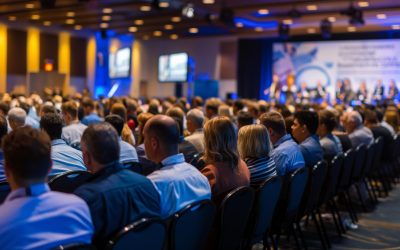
[92,118]
[127,153]
[43,220]
[331,145]
[65,158]
[361,135]
[311,150]
[179,184]
[287,155]
[2,173]
[73,132]
[32,122]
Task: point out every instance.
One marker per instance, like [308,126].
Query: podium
[38,81]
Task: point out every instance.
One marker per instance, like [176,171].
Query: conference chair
[69,181]
[233,216]
[373,175]
[359,161]
[266,199]
[369,160]
[143,234]
[5,189]
[190,226]
[75,246]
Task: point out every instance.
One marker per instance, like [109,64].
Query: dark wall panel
[228,63]
[48,49]
[78,56]
[16,52]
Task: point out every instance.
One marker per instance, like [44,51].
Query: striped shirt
[260,169]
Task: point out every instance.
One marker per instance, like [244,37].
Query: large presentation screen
[119,63]
[359,61]
[173,67]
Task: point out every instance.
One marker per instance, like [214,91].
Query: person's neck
[24,184]
[165,155]
[73,121]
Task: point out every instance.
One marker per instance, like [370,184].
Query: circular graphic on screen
[311,75]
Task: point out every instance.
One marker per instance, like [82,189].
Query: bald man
[358,133]
[177,182]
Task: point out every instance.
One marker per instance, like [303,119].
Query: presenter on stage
[290,89]
[362,93]
[378,94]
[274,91]
[393,91]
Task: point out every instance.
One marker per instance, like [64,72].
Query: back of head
[178,115]
[197,102]
[328,118]
[165,129]
[196,116]
[52,124]
[27,154]
[308,118]
[4,107]
[370,117]
[101,142]
[355,117]
[3,127]
[87,103]
[220,142]
[47,109]
[244,118]
[254,141]
[116,121]
[70,108]
[119,109]
[212,104]
[275,121]
[17,116]
[224,110]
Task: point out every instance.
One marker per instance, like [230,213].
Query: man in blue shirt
[65,158]
[177,182]
[116,196]
[90,115]
[73,131]
[286,153]
[358,133]
[32,216]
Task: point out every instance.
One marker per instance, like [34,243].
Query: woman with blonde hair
[224,168]
[254,148]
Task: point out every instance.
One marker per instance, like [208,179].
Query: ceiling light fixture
[78,27]
[107,10]
[258,29]
[46,23]
[363,4]
[157,33]
[12,18]
[163,5]
[106,18]
[311,31]
[174,36]
[29,6]
[396,26]
[351,29]
[287,21]
[145,8]
[104,25]
[188,10]
[70,14]
[133,29]
[239,25]
[70,21]
[168,26]
[176,19]
[139,22]
[35,17]
[381,16]
[208,1]
[312,7]
[193,30]
[332,19]
[263,12]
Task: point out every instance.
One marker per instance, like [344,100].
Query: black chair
[75,246]
[5,189]
[373,175]
[234,212]
[69,181]
[369,161]
[190,226]
[266,198]
[356,176]
[144,234]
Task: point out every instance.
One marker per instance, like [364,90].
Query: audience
[286,154]
[142,120]
[244,118]
[224,169]
[116,196]
[32,216]
[358,133]
[194,122]
[89,112]
[177,182]
[126,134]
[16,118]
[73,130]
[3,132]
[255,148]
[330,143]
[211,107]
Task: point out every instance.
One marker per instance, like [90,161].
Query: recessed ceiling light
[70,14]
[174,36]
[139,22]
[29,6]
[239,25]
[12,18]
[168,26]
[46,23]
[133,29]
[208,1]
[104,25]
[312,7]
[145,8]
[259,29]
[35,17]
[146,37]
[176,19]
[311,31]
[78,27]
[351,29]
[396,26]
[263,12]
[193,30]
[332,19]
[70,21]
[163,5]
[107,10]
[363,4]
[106,18]
[157,33]
[381,16]
[288,21]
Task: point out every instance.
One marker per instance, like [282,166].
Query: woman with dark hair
[330,143]
[224,168]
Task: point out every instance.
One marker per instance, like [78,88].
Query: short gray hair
[17,115]
[355,117]
[196,116]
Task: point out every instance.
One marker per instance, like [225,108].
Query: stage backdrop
[362,60]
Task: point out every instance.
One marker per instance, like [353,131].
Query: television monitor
[173,67]
[119,65]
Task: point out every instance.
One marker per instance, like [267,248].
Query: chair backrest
[234,213]
[378,153]
[359,161]
[5,189]
[345,175]
[333,176]
[369,159]
[69,181]
[267,196]
[75,246]
[144,234]
[318,175]
[190,226]
[297,184]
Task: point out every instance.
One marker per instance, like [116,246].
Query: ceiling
[163,19]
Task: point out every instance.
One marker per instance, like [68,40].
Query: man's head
[304,125]
[69,111]
[116,121]
[351,121]
[27,157]
[275,124]
[327,122]
[52,125]
[16,118]
[100,146]
[244,118]
[211,107]
[87,105]
[370,118]
[119,109]
[47,108]
[178,115]
[194,120]
[161,137]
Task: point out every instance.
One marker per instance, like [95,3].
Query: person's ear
[271,132]
[154,142]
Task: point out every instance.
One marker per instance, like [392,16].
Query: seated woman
[330,143]
[142,119]
[224,168]
[254,148]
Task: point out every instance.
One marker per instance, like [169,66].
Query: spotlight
[356,16]
[227,16]
[188,10]
[283,30]
[48,4]
[326,28]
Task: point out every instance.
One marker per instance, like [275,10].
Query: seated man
[330,143]
[358,133]
[64,157]
[73,131]
[3,132]
[177,182]
[194,121]
[127,153]
[116,196]
[286,153]
[32,216]
[90,114]
[16,118]
[304,127]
